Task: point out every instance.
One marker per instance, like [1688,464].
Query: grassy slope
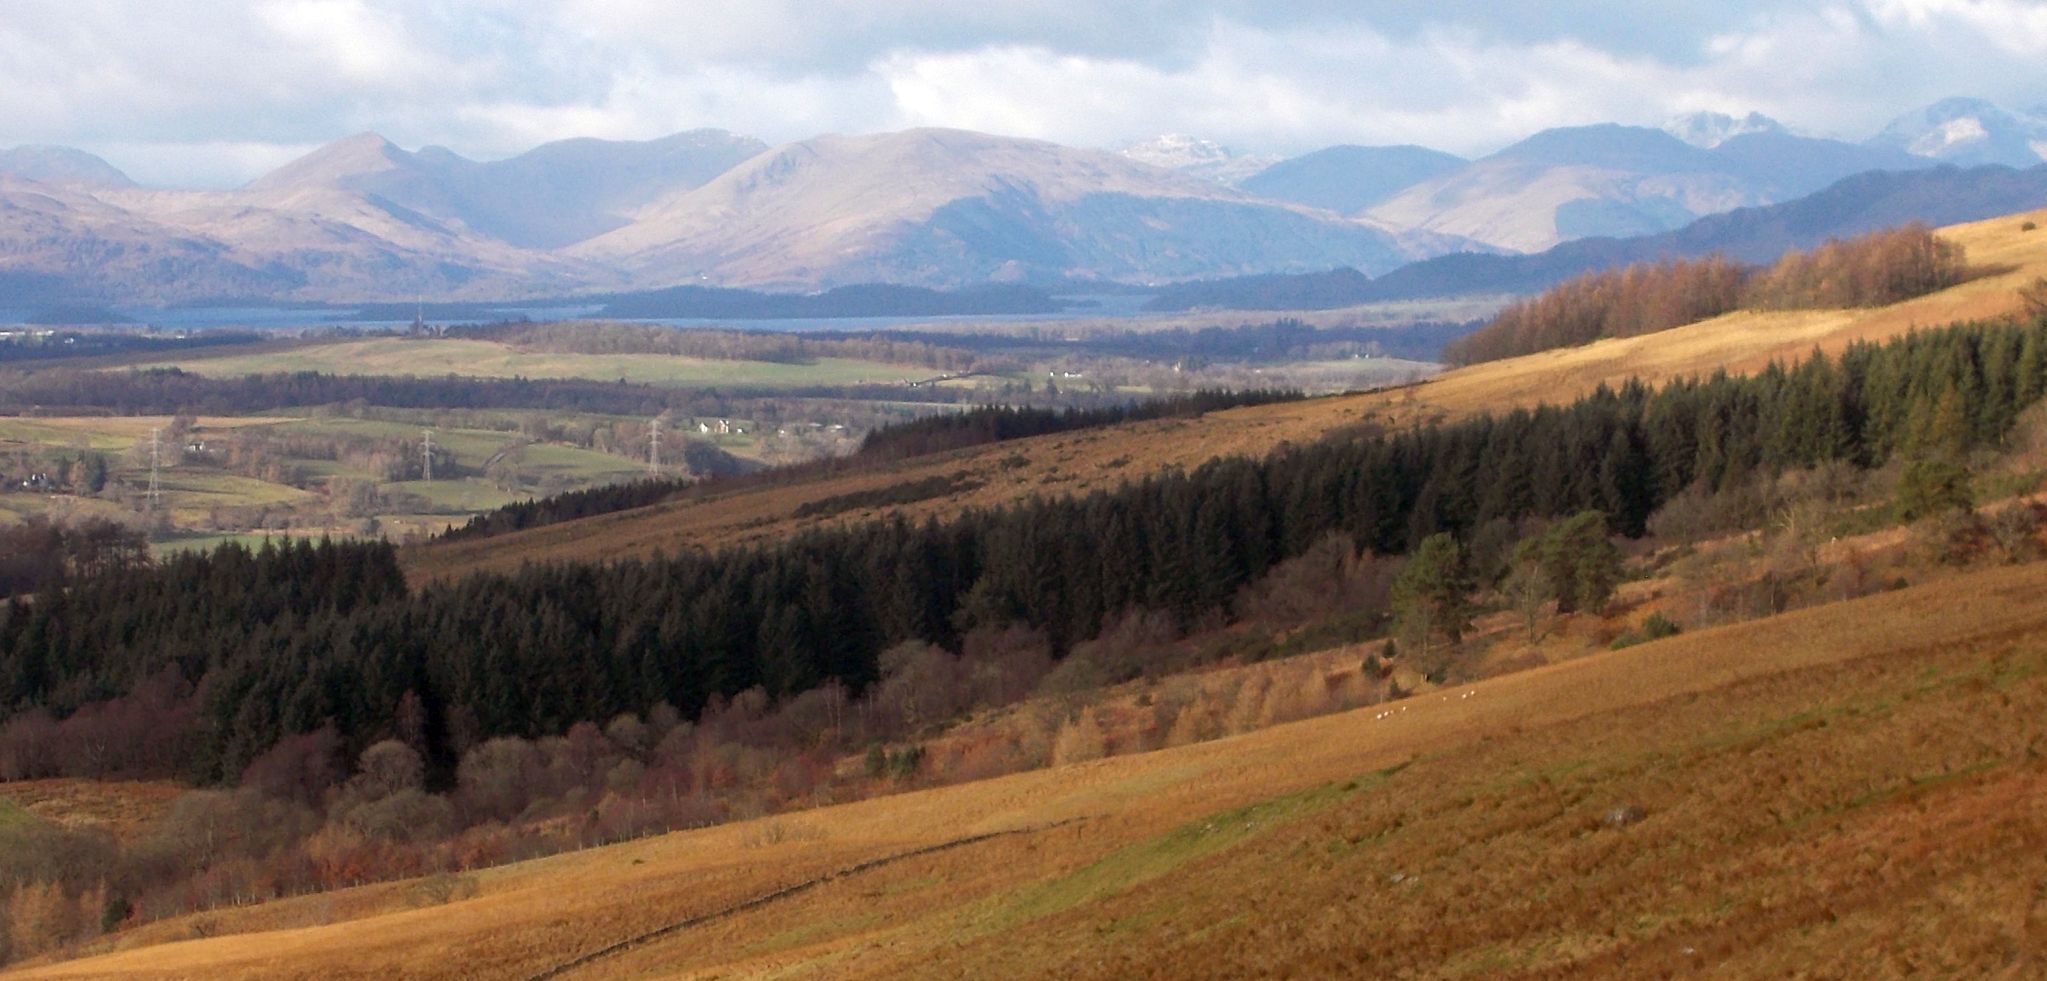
[487,359]
[1855,785]
[1077,463]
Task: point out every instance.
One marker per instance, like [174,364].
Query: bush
[1655,627]
[1932,487]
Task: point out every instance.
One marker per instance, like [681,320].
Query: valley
[1606,551]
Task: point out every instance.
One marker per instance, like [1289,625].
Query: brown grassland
[1858,785]
[1855,789]
[1080,462]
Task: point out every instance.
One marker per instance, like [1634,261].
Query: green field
[206,501]
[432,357]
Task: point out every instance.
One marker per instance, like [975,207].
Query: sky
[215,92]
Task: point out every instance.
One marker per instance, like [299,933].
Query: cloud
[216,92]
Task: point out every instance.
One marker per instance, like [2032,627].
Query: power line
[155,466]
[426,455]
[654,447]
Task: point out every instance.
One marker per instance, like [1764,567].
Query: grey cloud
[215,89]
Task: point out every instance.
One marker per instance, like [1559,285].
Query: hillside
[1852,206]
[931,207]
[1078,463]
[1617,181]
[363,218]
[1752,756]
[1349,179]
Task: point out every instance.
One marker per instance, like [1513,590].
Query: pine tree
[1432,597]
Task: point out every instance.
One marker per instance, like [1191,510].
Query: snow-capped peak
[1710,129]
[1196,156]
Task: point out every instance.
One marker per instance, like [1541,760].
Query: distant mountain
[942,207]
[1327,290]
[1197,157]
[552,196]
[868,300]
[1707,130]
[363,219]
[1619,181]
[1861,203]
[1968,132]
[1349,179]
[1858,204]
[61,165]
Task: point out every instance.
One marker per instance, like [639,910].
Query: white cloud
[217,91]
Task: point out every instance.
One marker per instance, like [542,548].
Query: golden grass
[1847,781]
[1746,341]
[1082,462]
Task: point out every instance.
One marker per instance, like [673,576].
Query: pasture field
[1083,462]
[1856,785]
[198,486]
[432,357]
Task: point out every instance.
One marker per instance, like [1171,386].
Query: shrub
[1932,487]
[1655,627]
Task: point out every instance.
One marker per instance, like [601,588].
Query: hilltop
[1075,464]
[364,219]
[1398,815]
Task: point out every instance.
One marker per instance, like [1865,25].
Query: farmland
[484,359]
[1588,807]
[1076,464]
[207,481]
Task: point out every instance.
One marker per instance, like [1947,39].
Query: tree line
[729,345]
[164,391]
[900,441]
[281,643]
[33,345]
[1872,270]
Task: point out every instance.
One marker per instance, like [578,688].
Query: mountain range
[1942,195]
[363,219]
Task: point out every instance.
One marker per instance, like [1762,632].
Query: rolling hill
[1852,206]
[1847,784]
[363,219]
[554,195]
[929,207]
[1854,784]
[61,165]
[1968,132]
[1078,463]
[1619,181]
[1350,179]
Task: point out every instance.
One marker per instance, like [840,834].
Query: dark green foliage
[285,641]
[1580,562]
[114,913]
[1929,488]
[1655,627]
[1433,595]
[907,492]
[974,427]
[995,424]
